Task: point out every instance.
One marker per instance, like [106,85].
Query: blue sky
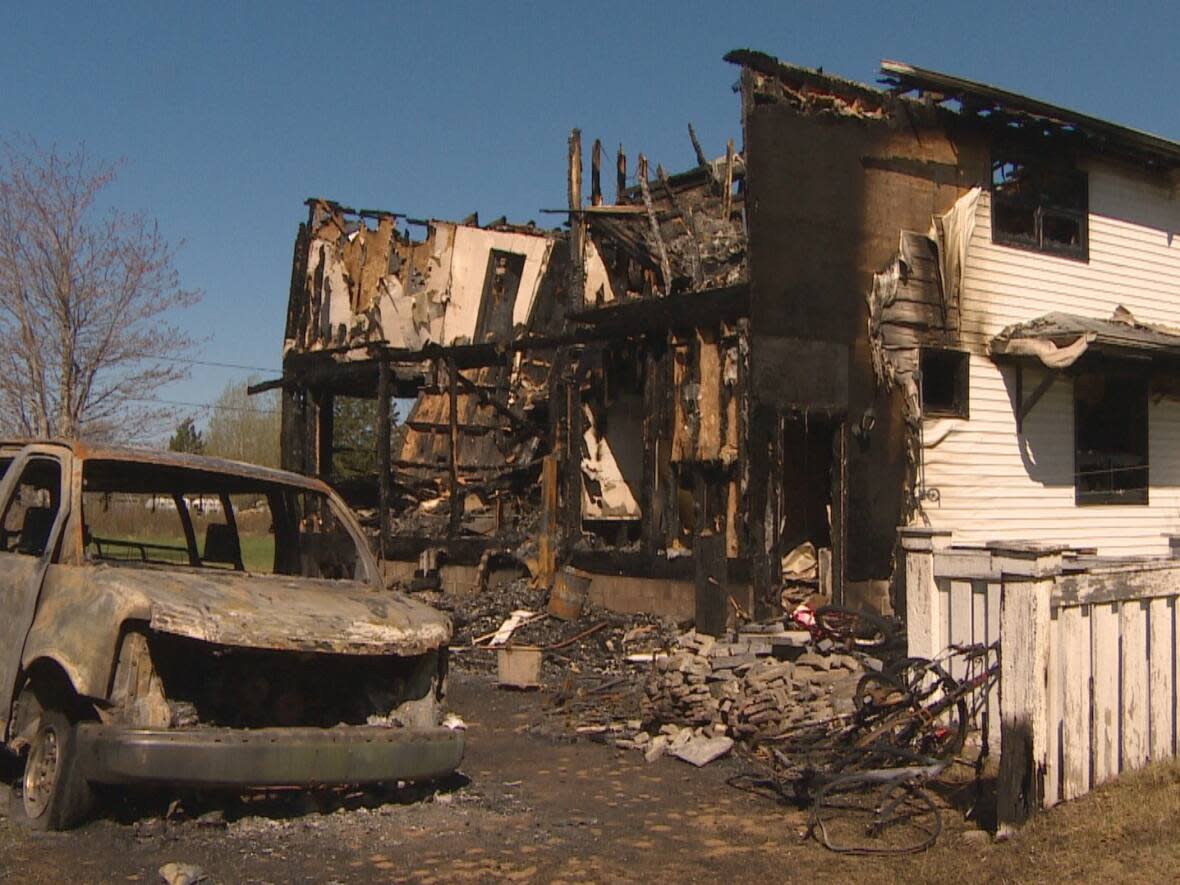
[227,115]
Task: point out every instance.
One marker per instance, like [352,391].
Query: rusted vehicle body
[174,619]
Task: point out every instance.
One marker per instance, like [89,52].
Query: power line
[215,365]
[214,406]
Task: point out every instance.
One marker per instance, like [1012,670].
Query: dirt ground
[534,804]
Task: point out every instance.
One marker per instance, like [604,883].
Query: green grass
[258,551]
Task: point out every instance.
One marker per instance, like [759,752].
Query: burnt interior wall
[828,194]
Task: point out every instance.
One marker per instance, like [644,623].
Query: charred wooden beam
[547,540]
[652,438]
[326,434]
[297,305]
[456,522]
[573,457]
[765,569]
[727,205]
[685,216]
[620,175]
[453,551]
[384,432]
[696,146]
[442,467]
[462,429]
[291,435]
[311,431]
[577,223]
[481,393]
[840,514]
[665,264]
[687,310]
[596,174]
[712,590]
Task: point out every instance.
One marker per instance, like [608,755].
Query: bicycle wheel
[859,630]
[922,679]
[866,814]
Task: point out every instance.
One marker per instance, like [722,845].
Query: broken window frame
[314,536]
[14,539]
[1045,190]
[1123,407]
[958,405]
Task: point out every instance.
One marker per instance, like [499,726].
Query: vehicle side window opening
[32,509]
[160,515]
[326,548]
[135,527]
[241,533]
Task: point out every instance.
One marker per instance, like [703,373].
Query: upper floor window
[1040,204]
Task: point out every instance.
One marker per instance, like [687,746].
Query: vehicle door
[36,503]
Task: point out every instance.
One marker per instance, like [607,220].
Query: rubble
[599,656]
[699,749]
[182,874]
[739,688]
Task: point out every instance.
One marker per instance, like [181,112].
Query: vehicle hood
[280,612]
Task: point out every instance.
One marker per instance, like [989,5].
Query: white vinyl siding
[994,485]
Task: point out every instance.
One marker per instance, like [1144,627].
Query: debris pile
[739,688]
[700,746]
[599,644]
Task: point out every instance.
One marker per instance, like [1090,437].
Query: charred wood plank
[685,216]
[652,414]
[384,432]
[665,265]
[324,434]
[577,295]
[481,394]
[596,174]
[462,429]
[712,594]
[696,146]
[456,522]
[291,447]
[620,175]
[573,457]
[727,196]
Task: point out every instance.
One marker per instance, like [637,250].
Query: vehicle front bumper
[267,757]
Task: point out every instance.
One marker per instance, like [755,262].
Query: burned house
[933,303]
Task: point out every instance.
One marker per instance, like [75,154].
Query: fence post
[923,613]
[1027,575]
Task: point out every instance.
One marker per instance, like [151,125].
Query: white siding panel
[994,485]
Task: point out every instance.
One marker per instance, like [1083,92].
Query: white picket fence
[1090,675]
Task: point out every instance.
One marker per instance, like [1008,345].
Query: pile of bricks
[740,688]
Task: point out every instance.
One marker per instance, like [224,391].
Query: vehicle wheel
[51,794]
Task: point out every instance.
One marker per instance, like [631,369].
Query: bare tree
[86,298]
[244,427]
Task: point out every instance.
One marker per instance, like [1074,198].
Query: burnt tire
[51,793]
[856,630]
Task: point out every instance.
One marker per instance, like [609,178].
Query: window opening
[1040,205]
[1110,428]
[945,378]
